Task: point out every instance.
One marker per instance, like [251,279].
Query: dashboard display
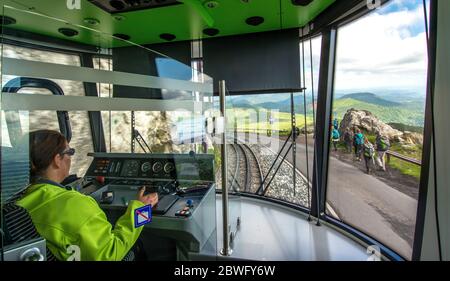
[130,168]
[145,167]
[169,167]
[157,167]
[189,170]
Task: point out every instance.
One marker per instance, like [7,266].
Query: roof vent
[211,31]
[254,21]
[211,4]
[167,36]
[69,32]
[91,21]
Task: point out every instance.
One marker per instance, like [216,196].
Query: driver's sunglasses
[70,152]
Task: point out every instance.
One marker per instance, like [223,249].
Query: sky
[383,52]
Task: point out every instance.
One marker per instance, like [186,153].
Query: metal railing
[390,153]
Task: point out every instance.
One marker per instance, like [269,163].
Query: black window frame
[74,49]
[18,83]
[323,117]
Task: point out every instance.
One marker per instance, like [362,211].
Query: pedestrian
[358,142]
[336,124]
[369,152]
[335,136]
[348,138]
[383,145]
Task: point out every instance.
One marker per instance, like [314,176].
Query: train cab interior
[287,130]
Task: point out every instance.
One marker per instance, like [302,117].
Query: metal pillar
[294,136]
[226,250]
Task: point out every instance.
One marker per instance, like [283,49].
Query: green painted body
[67,217]
[186,21]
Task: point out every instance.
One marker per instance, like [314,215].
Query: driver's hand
[149,199]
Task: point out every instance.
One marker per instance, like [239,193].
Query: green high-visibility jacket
[66,217]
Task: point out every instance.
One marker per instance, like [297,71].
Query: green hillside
[409,114]
[370,98]
[246,120]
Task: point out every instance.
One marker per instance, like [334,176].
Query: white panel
[28,102]
[85,74]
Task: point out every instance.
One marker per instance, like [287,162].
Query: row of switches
[186,211]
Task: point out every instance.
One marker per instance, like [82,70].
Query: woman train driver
[67,218]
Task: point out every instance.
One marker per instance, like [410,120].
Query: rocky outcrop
[153,126]
[412,138]
[368,122]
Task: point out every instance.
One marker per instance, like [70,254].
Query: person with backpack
[358,142]
[335,136]
[383,145]
[369,152]
[336,124]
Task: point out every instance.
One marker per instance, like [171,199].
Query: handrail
[402,157]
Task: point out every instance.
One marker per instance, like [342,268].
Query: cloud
[383,50]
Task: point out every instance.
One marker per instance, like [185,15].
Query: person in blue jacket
[335,137]
[358,142]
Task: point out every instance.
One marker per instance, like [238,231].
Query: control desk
[184,218]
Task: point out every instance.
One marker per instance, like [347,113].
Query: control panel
[152,166]
[185,212]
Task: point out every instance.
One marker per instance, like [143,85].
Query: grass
[246,120]
[403,166]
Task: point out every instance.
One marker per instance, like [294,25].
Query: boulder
[154,128]
[412,138]
[368,122]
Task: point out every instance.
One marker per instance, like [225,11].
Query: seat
[17,224]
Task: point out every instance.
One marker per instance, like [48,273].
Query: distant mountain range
[370,98]
[268,102]
[406,111]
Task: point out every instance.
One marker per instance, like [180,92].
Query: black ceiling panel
[120,6]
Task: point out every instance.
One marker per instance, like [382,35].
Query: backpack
[335,124]
[359,139]
[383,143]
[368,150]
[336,134]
